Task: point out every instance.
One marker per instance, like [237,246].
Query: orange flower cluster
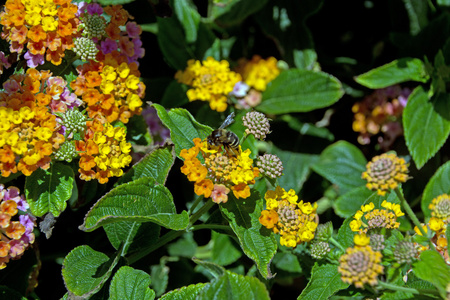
[16,229]
[28,130]
[104,152]
[43,26]
[111,89]
[219,173]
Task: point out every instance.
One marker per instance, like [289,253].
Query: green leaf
[325,281]
[189,292]
[296,168]
[133,235]
[189,17]
[439,184]
[257,242]
[438,274]
[417,12]
[48,190]
[183,127]
[307,128]
[129,283]
[232,12]
[287,261]
[175,95]
[305,59]
[160,277]
[234,287]
[345,234]
[86,270]
[224,251]
[214,269]
[155,164]
[297,90]
[397,71]
[342,163]
[443,2]
[421,120]
[183,247]
[140,201]
[150,27]
[221,48]
[347,204]
[114,2]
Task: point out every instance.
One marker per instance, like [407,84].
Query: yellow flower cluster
[210,81]
[369,218]
[385,172]
[258,72]
[28,129]
[219,172]
[296,222]
[105,152]
[360,265]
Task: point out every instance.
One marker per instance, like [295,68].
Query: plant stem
[200,212]
[194,205]
[395,287]
[336,243]
[211,226]
[161,242]
[411,215]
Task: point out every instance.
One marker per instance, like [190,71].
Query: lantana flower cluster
[29,131]
[361,265]
[111,31]
[220,172]
[209,80]
[44,29]
[16,225]
[104,152]
[436,227]
[256,74]
[372,220]
[295,221]
[379,114]
[111,89]
[385,172]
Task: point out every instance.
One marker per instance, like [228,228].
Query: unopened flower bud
[377,242]
[66,152]
[94,26]
[319,249]
[324,231]
[256,124]
[74,121]
[270,165]
[405,252]
[85,48]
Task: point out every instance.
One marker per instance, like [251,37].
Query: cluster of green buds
[270,165]
[85,48]
[256,123]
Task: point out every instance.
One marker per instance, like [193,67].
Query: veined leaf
[296,90]
[130,284]
[397,71]
[86,270]
[183,127]
[325,281]
[189,18]
[425,129]
[234,287]
[438,274]
[140,201]
[257,242]
[48,190]
[189,292]
[342,163]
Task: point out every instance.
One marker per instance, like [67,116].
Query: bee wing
[228,121]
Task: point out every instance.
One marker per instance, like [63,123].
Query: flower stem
[411,214]
[336,243]
[161,242]
[194,205]
[200,212]
[394,287]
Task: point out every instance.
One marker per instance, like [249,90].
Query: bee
[228,139]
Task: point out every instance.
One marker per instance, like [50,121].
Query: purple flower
[133,30]
[108,46]
[81,7]
[240,89]
[34,60]
[94,8]
[28,221]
